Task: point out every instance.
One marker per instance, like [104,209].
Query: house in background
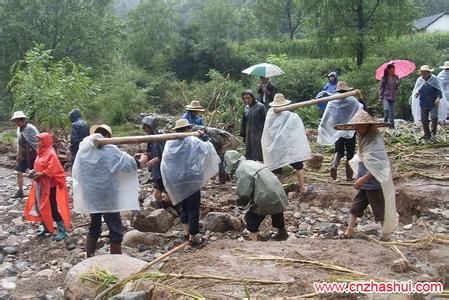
[435,23]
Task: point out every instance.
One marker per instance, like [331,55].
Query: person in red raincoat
[48,201]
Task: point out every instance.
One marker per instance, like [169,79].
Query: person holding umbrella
[266,90]
[389,86]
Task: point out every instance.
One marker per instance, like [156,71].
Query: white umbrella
[264,70]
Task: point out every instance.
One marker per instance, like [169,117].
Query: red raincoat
[48,163]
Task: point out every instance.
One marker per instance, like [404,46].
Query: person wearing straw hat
[374,176]
[284,142]
[187,164]
[105,182]
[426,102]
[192,113]
[443,76]
[251,129]
[266,90]
[26,148]
[262,191]
[339,111]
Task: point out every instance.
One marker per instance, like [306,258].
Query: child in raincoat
[48,201]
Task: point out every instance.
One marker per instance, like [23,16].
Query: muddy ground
[421,183]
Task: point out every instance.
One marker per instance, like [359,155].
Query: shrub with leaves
[48,90]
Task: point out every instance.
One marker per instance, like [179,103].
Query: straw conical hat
[279,100]
[181,123]
[102,126]
[446,65]
[360,118]
[342,86]
[18,115]
[425,68]
[195,106]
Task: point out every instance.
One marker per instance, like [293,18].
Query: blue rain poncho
[104,179]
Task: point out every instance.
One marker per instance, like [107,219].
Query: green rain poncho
[256,185]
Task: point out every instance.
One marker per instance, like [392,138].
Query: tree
[279,16]
[356,22]
[47,89]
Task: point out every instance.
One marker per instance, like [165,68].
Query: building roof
[423,23]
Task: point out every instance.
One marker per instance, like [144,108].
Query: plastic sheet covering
[416,109]
[443,76]
[186,166]
[373,154]
[337,112]
[284,140]
[104,179]
[30,134]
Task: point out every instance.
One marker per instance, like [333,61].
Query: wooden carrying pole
[145,268]
[341,96]
[143,138]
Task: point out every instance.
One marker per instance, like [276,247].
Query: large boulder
[120,265]
[221,222]
[159,220]
[134,238]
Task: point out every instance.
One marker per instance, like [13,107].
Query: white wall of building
[440,25]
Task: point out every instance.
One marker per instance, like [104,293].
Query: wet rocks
[134,238]
[141,295]
[315,162]
[329,231]
[221,222]
[159,220]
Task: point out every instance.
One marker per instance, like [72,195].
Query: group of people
[105,179]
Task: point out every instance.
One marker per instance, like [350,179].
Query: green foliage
[47,89]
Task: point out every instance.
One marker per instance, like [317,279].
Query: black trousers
[254,220]
[189,212]
[343,144]
[114,223]
[54,206]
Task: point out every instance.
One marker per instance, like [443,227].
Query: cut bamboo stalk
[143,138]
[341,96]
[149,265]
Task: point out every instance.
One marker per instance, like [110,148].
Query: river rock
[120,265]
[134,238]
[329,231]
[141,295]
[315,162]
[221,222]
[445,214]
[158,220]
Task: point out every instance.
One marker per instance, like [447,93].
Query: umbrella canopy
[402,68]
[264,70]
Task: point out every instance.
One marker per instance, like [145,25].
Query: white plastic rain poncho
[443,76]
[337,112]
[373,154]
[104,179]
[187,164]
[29,133]
[284,140]
[416,108]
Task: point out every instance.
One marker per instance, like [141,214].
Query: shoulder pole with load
[143,138]
[341,96]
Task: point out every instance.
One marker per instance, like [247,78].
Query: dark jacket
[271,89]
[80,130]
[252,127]
[156,148]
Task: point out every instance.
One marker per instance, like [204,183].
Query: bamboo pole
[149,265]
[143,138]
[341,96]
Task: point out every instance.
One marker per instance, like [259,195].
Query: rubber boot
[90,247]
[426,129]
[433,131]
[115,248]
[43,232]
[349,172]
[62,234]
[334,167]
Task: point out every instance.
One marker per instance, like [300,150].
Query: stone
[400,266]
[79,231]
[134,238]
[17,222]
[315,162]
[11,271]
[441,230]
[292,228]
[445,214]
[141,295]
[329,231]
[304,206]
[408,226]
[26,274]
[3,235]
[291,195]
[221,222]
[158,220]
[48,273]
[65,266]
[120,265]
